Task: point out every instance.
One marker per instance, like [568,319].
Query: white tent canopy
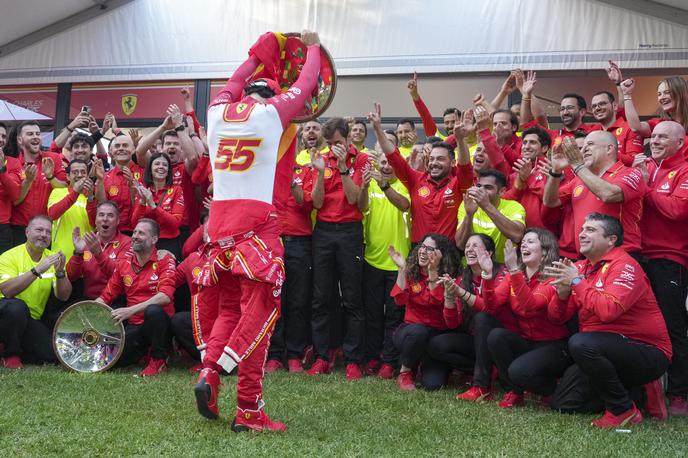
[173,39]
[12,112]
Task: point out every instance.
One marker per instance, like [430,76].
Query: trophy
[87,339]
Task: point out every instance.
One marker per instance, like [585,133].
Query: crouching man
[28,273]
[623,342]
[148,283]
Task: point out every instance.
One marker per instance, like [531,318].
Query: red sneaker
[655,403]
[386,371]
[678,406]
[308,356]
[11,362]
[475,394]
[273,365]
[353,372]
[510,400]
[255,420]
[196,368]
[405,381]
[206,391]
[372,367]
[320,366]
[155,367]
[609,420]
[295,366]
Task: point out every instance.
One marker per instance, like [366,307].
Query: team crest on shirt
[557,142]
[328,172]
[196,272]
[605,268]
[87,256]
[115,244]
[416,288]
[618,131]
[170,191]
[155,266]
[137,175]
[127,280]
[424,191]
[671,175]
[241,107]
[113,191]
[511,291]
[578,191]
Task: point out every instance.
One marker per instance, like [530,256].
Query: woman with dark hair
[534,357]
[466,349]
[162,201]
[419,287]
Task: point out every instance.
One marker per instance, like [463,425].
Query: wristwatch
[385,187]
[554,174]
[35,272]
[576,280]
[179,128]
[345,172]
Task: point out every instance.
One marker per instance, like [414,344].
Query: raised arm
[429,125]
[641,128]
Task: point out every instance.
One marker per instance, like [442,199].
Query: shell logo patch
[113,190]
[618,131]
[196,272]
[127,280]
[416,288]
[557,141]
[577,192]
[87,256]
[424,191]
[328,172]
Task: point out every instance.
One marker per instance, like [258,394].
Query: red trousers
[204,310]
[248,278]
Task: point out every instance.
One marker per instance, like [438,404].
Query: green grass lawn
[46,411]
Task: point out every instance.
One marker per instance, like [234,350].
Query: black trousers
[5,237]
[183,333]
[527,365]
[290,336]
[444,352]
[338,254]
[154,334]
[607,366]
[483,324]
[23,336]
[382,315]
[411,340]
[18,234]
[670,285]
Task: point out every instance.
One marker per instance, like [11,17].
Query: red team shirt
[36,200]
[629,212]
[169,210]
[117,191]
[423,306]
[665,213]
[434,206]
[141,282]
[335,208]
[96,270]
[295,219]
[615,296]
[10,187]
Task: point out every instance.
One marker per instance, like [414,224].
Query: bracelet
[628,98]
[483,276]
[525,98]
[385,187]
[60,274]
[465,296]
[67,127]
[344,172]
[577,168]
[554,174]
[35,272]
[618,83]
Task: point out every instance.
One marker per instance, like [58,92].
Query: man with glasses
[604,108]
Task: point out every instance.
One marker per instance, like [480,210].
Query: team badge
[416,288]
[127,280]
[424,191]
[113,191]
[557,142]
[328,172]
[155,266]
[671,175]
[578,191]
[605,268]
[196,272]
[115,244]
[87,256]
[241,107]
[170,191]
[129,103]
[618,131]
[137,176]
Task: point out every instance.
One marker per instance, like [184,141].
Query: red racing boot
[206,391]
[255,420]
[609,420]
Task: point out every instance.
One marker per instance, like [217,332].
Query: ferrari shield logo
[241,107]
[129,103]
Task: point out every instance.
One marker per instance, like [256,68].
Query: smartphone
[86,109]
